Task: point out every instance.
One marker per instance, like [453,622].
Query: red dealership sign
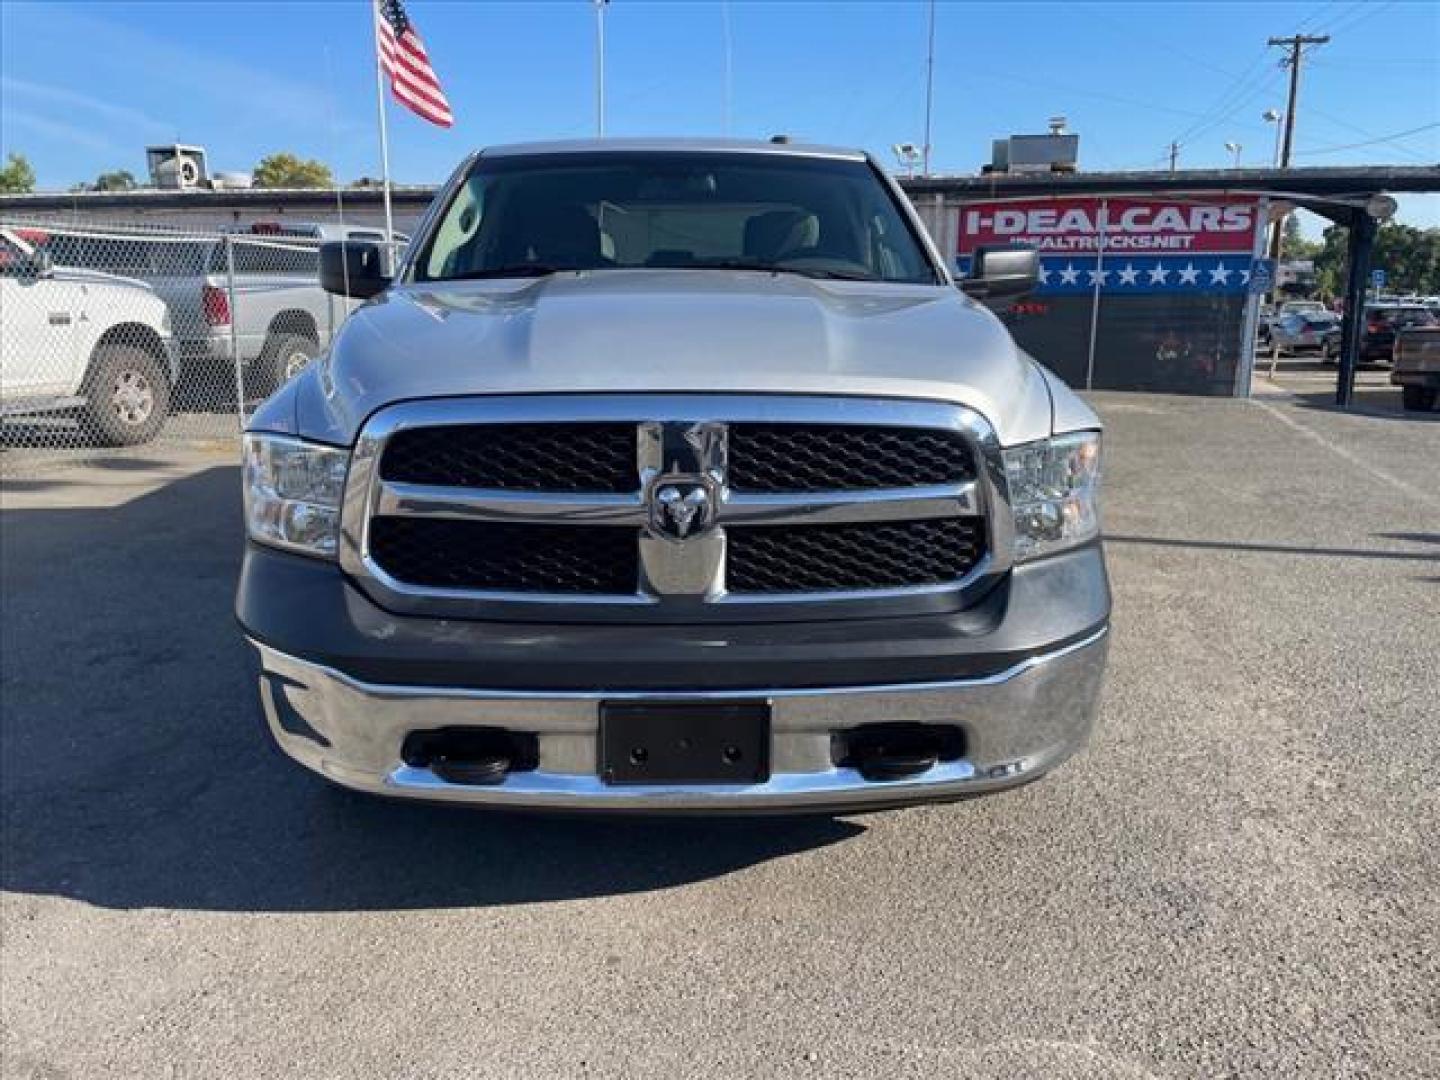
[1156,226]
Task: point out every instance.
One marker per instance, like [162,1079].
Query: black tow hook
[479,755]
[880,763]
[897,751]
[485,770]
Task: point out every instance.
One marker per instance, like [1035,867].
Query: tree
[1330,262]
[285,170]
[1296,246]
[16,176]
[1409,256]
[119,180]
[1292,230]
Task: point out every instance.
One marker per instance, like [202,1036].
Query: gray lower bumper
[1018,724]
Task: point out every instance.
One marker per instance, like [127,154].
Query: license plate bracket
[682,743]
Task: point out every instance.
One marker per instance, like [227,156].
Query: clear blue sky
[83,87]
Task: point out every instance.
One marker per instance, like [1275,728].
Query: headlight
[292,493]
[1054,493]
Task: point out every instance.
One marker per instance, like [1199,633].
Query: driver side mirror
[1001,273]
[354,268]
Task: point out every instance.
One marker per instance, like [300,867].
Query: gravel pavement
[1240,877]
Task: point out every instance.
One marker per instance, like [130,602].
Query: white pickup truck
[254,293]
[77,340]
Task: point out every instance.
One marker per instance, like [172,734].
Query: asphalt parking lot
[1240,877]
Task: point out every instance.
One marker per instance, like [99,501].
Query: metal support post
[234,331]
[1361,243]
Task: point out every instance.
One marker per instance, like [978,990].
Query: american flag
[403,58]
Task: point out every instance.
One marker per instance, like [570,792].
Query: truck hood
[673,331]
[86,276]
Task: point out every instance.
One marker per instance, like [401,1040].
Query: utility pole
[600,67]
[1296,45]
[929,85]
[1174,155]
[729,67]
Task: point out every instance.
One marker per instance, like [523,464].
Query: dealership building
[1149,280]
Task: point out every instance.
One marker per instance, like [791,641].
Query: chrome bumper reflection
[1018,724]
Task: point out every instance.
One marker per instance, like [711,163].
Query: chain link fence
[117,337]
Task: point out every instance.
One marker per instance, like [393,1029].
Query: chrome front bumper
[1018,724]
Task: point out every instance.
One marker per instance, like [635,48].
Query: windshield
[766,212]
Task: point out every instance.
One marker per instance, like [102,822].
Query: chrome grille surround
[679,437]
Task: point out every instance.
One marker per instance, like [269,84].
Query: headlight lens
[1054,493]
[292,493]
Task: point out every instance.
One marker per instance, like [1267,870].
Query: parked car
[1416,366]
[1382,321]
[277,315]
[84,342]
[1307,331]
[675,476]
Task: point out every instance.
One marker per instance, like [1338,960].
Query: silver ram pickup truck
[675,476]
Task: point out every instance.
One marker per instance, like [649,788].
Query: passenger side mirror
[1002,273]
[354,268]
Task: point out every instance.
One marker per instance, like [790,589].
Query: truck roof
[709,146]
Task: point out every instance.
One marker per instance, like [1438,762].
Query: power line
[1361,12]
[1232,100]
[1347,125]
[1377,61]
[1371,142]
[1319,15]
[1255,92]
[1335,18]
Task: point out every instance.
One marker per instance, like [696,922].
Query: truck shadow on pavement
[133,771]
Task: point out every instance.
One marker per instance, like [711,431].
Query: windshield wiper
[770,268]
[832,275]
[717,264]
[515,270]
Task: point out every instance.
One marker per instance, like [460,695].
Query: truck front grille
[515,457]
[820,558]
[840,457]
[671,508]
[435,553]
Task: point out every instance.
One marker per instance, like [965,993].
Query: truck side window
[458,231]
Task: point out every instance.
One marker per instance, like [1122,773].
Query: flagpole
[600,67]
[384,136]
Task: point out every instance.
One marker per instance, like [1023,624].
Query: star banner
[1126,275]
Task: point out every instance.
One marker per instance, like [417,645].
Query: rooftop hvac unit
[177,167]
[1059,151]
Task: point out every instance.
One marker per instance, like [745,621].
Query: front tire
[1418,398]
[128,397]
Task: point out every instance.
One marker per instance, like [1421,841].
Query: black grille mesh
[516,457]
[890,555]
[445,554]
[843,457]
